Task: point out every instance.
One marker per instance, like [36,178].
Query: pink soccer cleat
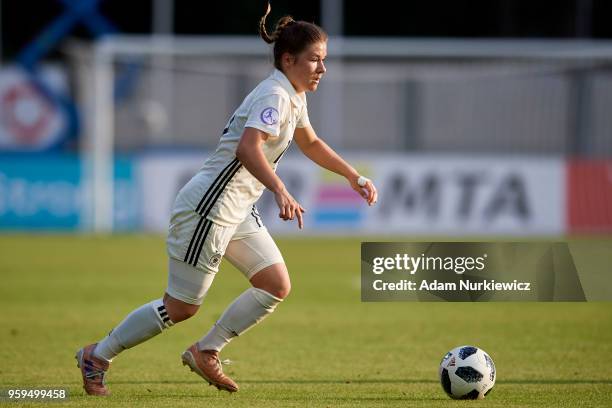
[206,364]
[93,370]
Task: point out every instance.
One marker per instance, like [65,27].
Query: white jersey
[224,191]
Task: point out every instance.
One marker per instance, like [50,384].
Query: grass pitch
[321,348]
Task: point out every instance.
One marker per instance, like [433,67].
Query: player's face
[307,68]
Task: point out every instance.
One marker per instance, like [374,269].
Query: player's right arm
[250,154]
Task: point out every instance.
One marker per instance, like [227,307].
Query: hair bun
[284,22]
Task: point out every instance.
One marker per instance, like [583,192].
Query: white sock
[139,326]
[250,308]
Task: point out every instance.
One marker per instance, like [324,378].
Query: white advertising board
[418,195]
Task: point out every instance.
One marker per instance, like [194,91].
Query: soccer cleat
[93,370]
[207,365]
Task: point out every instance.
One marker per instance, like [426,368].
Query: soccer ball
[467,372]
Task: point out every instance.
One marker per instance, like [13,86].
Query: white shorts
[196,246]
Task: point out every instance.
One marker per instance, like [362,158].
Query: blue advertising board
[45,192]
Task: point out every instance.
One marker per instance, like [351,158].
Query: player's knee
[179,310]
[273,279]
[278,288]
[281,289]
[285,290]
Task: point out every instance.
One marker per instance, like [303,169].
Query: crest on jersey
[214,260]
[269,116]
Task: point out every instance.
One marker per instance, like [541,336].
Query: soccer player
[214,214]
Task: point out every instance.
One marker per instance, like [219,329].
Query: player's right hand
[289,208]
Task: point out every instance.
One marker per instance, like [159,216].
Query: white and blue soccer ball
[467,372]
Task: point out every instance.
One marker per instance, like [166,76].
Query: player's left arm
[319,152]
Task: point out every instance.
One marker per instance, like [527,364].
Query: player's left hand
[367,190]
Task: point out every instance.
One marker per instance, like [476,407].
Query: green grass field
[321,348]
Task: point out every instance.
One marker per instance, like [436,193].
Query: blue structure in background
[40,193]
[47,193]
[77,11]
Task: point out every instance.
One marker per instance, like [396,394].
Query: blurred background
[474,117]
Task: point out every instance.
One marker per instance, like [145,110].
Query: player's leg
[208,257]
[270,286]
[254,252]
[189,279]
[187,286]
[139,326]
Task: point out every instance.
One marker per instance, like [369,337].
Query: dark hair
[290,36]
